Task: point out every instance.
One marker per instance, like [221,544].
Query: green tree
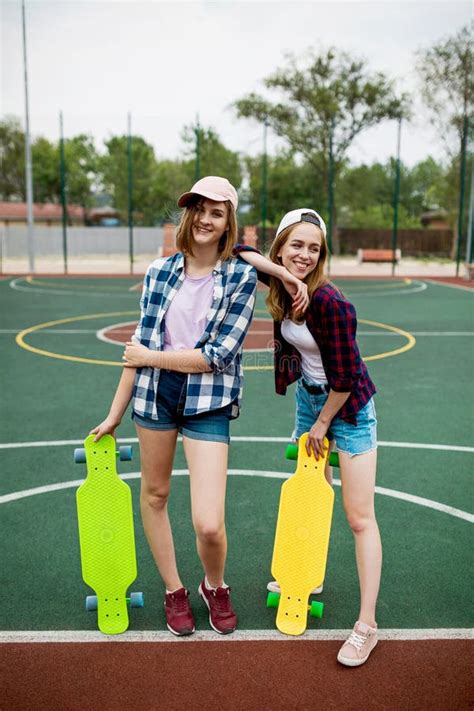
[331,99]
[447,86]
[214,157]
[46,180]
[446,73]
[172,178]
[114,171]
[81,160]
[289,185]
[365,193]
[12,160]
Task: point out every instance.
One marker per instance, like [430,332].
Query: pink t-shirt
[186,317]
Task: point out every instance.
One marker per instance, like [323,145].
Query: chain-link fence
[87,249]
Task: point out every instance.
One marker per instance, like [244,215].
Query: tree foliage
[289,183]
[12,159]
[115,176]
[447,84]
[329,100]
[364,192]
[334,93]
[214,157]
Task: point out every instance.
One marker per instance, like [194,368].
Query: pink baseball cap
[212,187]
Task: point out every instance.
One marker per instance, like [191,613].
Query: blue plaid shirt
[228,320]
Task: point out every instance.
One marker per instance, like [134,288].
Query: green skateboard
[106,534]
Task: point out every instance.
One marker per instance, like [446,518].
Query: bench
[378,255]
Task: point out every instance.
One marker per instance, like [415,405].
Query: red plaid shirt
[332,322]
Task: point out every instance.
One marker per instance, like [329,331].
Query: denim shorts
[212,426]
[350,439]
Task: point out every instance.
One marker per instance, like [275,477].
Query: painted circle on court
[20,340]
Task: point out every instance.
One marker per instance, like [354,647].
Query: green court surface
[57,380]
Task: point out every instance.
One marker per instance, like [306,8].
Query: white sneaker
[358,646]
[273,586]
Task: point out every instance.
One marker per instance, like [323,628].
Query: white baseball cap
[304,214]
[213,187]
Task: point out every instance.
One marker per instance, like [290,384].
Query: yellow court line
[388,354]
[407,347]
[78,359]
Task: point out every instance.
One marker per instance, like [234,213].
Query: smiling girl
[183,373]
[334,394]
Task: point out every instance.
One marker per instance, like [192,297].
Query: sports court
[61,350]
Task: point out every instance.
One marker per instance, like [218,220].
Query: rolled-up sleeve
[340,326]
[221,351]
[239,249]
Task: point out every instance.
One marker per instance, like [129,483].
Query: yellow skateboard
[301,541]
[106,534]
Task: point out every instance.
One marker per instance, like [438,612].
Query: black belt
[315,389]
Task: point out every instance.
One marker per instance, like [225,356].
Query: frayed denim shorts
[349,439]
[212,426]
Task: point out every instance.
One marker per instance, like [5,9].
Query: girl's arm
[296,288]
[318,431]
[185,361]
[123,395]
[215,355]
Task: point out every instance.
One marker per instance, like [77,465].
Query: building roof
[41,211]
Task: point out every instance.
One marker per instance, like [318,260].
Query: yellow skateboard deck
[106,534]
[301,538]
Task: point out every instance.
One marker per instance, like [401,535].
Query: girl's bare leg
[157,450]
[358,491]
[207,463]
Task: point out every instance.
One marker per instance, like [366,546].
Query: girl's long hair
[184,234]
[278,300]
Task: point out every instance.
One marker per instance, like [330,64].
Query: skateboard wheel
[137,599]
[273,599]
[316,609]
[334,459]
[292,451]
[125,453]
[80,455]
[91,603]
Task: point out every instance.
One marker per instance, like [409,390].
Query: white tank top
[300,337]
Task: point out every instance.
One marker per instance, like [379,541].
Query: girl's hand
[315,441]
[136,356]
[108,426]
[296,289]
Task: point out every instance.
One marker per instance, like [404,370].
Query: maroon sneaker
[222,617]
[179,616]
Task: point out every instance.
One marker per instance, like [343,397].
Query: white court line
[15,285]
[421,287]
[451,286]
[101,332]
[79,636]
[419,500]
[132,440]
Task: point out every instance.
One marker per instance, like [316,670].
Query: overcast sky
[168,61]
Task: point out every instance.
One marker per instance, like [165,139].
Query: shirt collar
[218,267]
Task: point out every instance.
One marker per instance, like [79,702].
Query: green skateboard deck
[106,534]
